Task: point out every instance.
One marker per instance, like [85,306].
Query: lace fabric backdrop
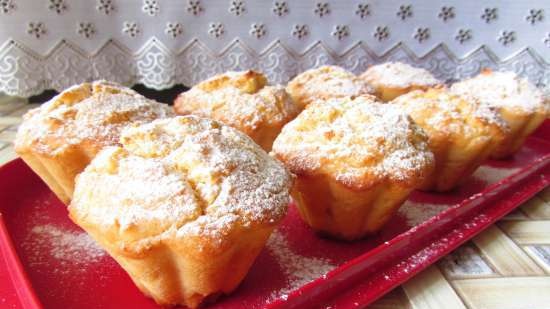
[159,43]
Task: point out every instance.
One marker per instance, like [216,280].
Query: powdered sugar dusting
[416,213]
[299,270]
[490,115]
[503,90]
[189,174]
[355,139]
[448,113]
[63,245]
[444,116]
[93,112]
[324,83]
[147,182]
[242,110]
[399,75]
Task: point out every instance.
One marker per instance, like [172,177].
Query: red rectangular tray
[48,262]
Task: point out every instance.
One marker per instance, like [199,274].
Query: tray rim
[517,198]
[28,299]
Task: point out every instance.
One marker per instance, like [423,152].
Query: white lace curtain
[56,43]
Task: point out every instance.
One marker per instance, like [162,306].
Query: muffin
[461,135]
[324,83]
[241,100]
[522,106]
[355,161]
[392,79]
[58,139]
[184,205]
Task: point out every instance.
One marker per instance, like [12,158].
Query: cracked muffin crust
[355,161]
[521,105]
[325,83]
[184,205]
[460,134]
[392,79]
[242,100]
[59,138]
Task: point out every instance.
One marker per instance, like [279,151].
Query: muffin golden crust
[59,138]
[356,161]
[521,105]
[460,134]
[324,83]
[392,79]
[184,205]
[241,100]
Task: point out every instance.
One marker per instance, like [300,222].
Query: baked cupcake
[184,205]
[355,161]
[522,106]
[325,83]
[59,138]
[461,135]
[392,79]
[241,100]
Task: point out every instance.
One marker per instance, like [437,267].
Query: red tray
[48,262]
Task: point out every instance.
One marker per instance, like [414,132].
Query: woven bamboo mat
[505,267]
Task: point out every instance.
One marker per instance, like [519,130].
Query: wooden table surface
[505,267]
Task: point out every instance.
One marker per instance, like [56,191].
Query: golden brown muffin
[521,105]
[355,161]
[461,135]
[241,100]
[184,205]
[392,79]
[59,138]
[325,83]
